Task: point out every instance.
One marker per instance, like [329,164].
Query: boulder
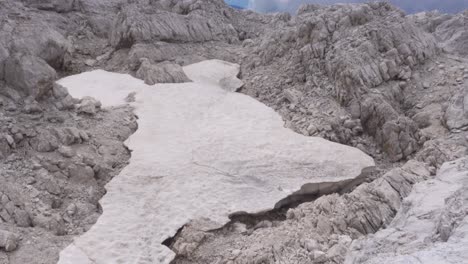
[30,75]
[59,91]
[44,142]
[4,147]
[135,25]
[8,241]
[165,72]
[453,34]
[89,105]
[50,45]
[69,135]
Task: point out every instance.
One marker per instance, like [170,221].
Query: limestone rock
[45,141]
[52,5]
[3,56]
[81,174]
[69,135]
[59,91]
[8,241]
[29,74]
[456,115]
[89,105]
[165,72]
[293,96]
[50,45]
[453,33]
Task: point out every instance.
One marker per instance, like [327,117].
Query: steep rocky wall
[363,57]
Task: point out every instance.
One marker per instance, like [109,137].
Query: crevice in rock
[312,191]
[169,242]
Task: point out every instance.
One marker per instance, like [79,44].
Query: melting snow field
[200,151]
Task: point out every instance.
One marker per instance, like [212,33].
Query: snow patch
[200,151]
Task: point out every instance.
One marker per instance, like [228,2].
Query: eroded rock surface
[431,228]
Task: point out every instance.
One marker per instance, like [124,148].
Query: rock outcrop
[456,115]
[361,55]
[137,24]
[30,75]
[8,240]
[319,232]
[431,228]
[165,72]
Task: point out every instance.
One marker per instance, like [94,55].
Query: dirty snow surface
[199,152]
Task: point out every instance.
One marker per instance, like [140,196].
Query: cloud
[410,6]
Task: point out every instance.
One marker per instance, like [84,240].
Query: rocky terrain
[364,75]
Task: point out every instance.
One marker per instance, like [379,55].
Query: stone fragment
[165,72]
[8,241]
[45,141]
[66,151]
[81,173]
[89,105]
[456,115]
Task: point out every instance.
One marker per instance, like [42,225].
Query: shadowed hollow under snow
[199,152]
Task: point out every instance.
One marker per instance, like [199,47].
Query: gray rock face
[5,148]
[134,24]
[361,56]
[30,75]
[52,5]
[8,240]
[50,45]
[3,56]
[89,105]
[456,115]
[165,72]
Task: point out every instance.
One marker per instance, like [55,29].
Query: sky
[410,6]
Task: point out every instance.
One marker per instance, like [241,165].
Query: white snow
[200,151]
